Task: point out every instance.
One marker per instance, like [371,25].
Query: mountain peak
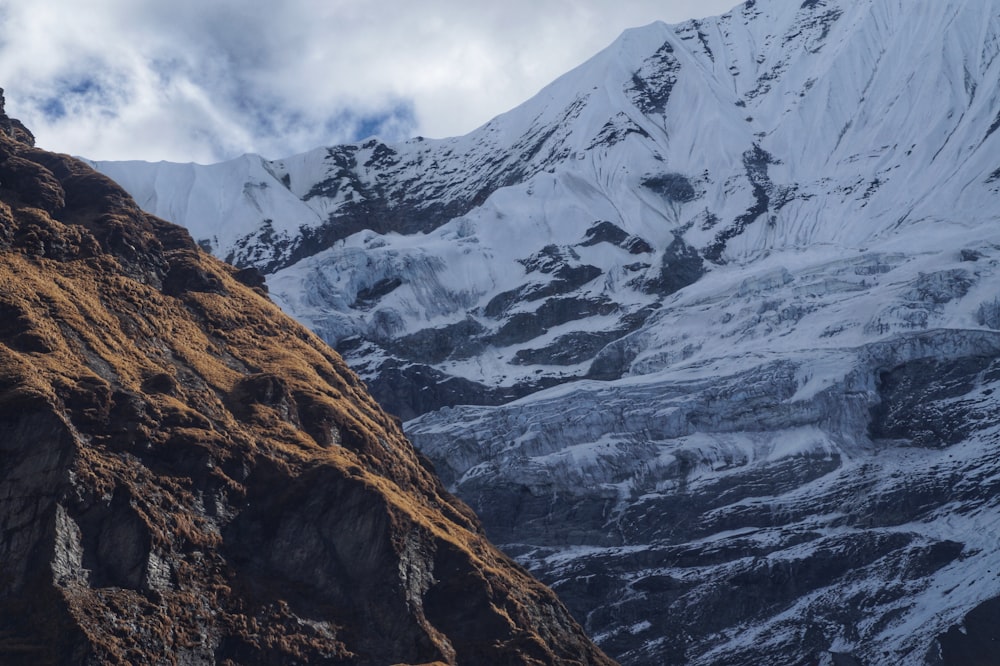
[14,128]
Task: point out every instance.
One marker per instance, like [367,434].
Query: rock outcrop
[187,476]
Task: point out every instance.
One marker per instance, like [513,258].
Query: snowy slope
[773,128]
[725,294]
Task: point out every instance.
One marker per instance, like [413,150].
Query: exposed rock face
[190,477]
[815,507]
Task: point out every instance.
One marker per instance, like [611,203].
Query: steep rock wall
[188,476]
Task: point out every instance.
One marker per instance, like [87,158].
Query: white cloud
[207,80]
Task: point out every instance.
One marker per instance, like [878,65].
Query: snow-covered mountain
[706,331]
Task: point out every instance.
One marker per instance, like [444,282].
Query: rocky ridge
[190,477]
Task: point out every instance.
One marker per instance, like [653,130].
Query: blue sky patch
[394,123]
[85,90]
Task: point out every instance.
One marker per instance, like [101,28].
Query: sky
[208,80]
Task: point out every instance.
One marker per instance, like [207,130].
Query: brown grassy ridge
[208,479]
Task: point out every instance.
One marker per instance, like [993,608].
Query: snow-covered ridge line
[712,316]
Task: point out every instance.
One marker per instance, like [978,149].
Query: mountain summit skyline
[691,149]
[206,82]
[706,332]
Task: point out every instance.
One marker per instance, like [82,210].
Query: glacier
[706,331]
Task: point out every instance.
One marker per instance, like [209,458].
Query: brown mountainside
[189,477]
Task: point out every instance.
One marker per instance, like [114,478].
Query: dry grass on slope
[189,475]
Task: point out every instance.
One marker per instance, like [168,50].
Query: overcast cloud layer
[207,80]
